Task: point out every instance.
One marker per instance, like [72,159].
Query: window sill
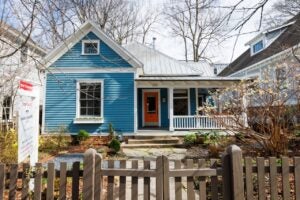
[92,120]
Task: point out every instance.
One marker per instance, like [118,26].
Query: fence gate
[163,178]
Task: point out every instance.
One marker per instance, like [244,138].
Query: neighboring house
[21,63]
[92,82]
[267,50]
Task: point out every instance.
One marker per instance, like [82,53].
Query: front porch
[174,109]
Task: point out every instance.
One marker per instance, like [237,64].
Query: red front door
[151,112]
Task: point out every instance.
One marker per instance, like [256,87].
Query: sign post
[28,121]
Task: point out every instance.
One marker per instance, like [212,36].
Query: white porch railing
[201,122]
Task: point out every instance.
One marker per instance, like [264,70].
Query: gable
[107,56]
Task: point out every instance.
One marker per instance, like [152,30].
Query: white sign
[28,121]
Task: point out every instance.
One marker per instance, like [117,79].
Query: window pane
[91,48]
[258,46]
[90,100]
[180,93]
[180,106]
[151,104]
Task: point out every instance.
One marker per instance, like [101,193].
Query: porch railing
[202,122]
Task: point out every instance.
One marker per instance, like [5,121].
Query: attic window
[257,47]
[90,47]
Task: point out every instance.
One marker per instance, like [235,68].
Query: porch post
[171,110]
[244,113]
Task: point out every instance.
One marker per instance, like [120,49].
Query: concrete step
[154,141]
[151,136]
[152,145]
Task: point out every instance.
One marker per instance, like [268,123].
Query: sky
[219,53]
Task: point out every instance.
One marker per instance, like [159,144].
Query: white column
[171,110]
[244,113]
[135,108]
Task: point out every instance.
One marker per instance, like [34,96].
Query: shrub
[115,145]
[83,135]
[190,139]
[8,146]
[111,130]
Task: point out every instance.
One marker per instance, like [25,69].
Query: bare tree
[195,23]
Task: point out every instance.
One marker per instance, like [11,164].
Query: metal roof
[187,78]
[156,63]
[203,67]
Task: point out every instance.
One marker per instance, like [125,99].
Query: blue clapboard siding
[106,58]
[164,113]
[60,108]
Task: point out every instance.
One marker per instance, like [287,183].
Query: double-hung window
[89,101]
[181,102]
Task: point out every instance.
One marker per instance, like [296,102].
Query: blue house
[91,81]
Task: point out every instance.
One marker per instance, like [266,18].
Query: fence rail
[202,122]
[231,178]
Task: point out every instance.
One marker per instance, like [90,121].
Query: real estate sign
[28,121]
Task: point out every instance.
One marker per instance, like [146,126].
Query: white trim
[91,69]
[83,42]
[263,40]
[83,30]
[78,81]
[143,107]
[135,109]
[171,108]
[44,103]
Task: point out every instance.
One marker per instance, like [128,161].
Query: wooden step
[148,137]
[154,141]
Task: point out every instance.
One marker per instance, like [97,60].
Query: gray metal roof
[203,67]
[187,78]
[156,63]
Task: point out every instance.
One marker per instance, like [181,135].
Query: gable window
[181,102]
[257,47]
[89,101]
[90,47]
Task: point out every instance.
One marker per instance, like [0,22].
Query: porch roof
[186,81]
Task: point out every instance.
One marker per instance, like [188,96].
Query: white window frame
[90,41]
[254,43]
[85,119]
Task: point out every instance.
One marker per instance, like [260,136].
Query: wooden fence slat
[38,181]
[50,181]
[159,178]
[134,190]
[249,178]
[147,181]
[285,178]
[261,178]
[297,177]
[2,181]
[202,181]
[98,177]
[63,181]
[273,178]
[166,183]
[122,189]
[226,177]
[178,184]
[88,174]
[214,181]
[110,181]
[25,181]
[75,180]
[13,177]
[190,181]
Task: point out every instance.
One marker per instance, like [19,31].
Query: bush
[115,145]
[83,135]
[190,139]
[8,146]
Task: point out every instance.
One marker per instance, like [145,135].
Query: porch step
[154,141]
[152,145]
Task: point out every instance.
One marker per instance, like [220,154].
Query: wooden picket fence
[231,178]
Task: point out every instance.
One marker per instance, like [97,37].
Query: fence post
[236,172]
[89,174]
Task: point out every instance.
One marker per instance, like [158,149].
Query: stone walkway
[152,153]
